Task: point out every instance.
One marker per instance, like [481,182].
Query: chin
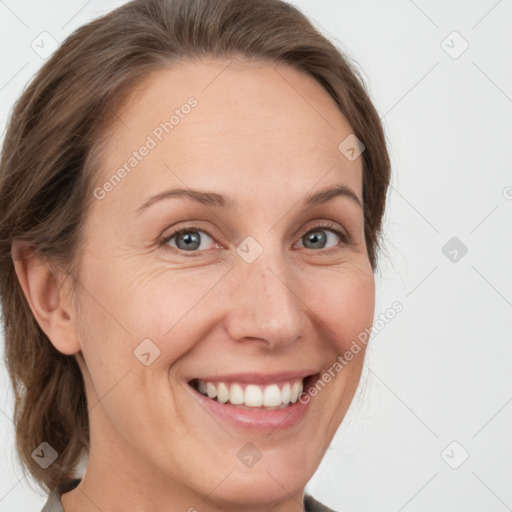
[240,491]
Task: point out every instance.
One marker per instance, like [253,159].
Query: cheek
[344,301]
[175,309]
[120,309]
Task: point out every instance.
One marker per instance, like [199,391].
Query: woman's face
[253,295]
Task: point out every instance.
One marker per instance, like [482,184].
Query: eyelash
[327,225]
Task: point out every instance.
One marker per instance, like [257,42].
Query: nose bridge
[263,303]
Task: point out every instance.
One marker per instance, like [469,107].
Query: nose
[264,308]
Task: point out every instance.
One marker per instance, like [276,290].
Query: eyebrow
[217,200]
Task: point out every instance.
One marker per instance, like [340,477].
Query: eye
[188,239]
[317,238]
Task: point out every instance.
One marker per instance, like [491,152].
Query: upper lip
[257,378]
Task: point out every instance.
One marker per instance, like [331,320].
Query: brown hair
[48,164]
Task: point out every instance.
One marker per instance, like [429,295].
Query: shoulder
[315,506]
[53,503]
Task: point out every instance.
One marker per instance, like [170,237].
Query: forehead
[228,124]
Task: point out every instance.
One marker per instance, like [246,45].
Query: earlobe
[42,289]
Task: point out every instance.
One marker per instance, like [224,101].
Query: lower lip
[260,420]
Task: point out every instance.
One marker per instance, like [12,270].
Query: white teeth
[236,396]
[253,396]
[271,396]
[294,394]
[222,393]
[285,394]
[211,390]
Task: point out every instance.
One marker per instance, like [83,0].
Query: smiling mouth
[277,395]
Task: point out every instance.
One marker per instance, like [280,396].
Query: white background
[441,371]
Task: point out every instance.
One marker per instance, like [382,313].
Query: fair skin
[264,138]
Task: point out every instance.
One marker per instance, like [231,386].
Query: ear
[44,293]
